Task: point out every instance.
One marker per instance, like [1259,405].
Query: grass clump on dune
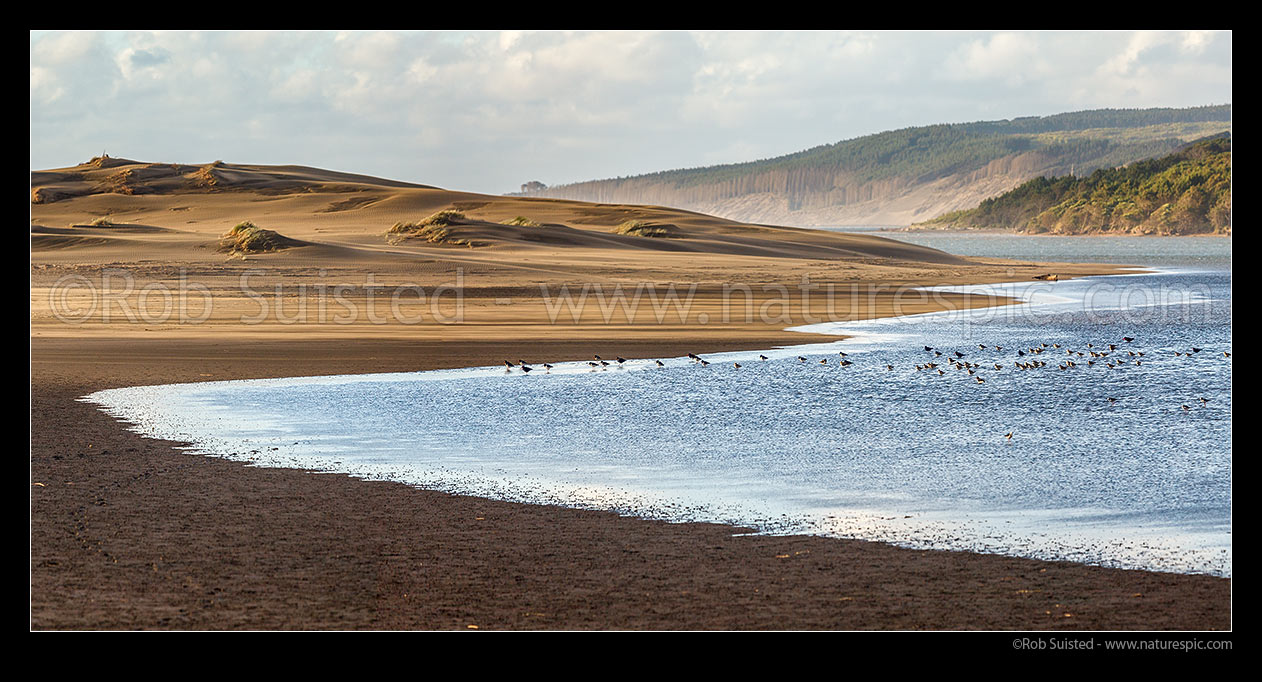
[103,221]
[435,229]
[639,228]
[437,220]
[246,237]
[522,221]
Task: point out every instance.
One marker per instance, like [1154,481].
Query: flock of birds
[1112,356]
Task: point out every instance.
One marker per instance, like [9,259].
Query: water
[1202,252]
[905,456]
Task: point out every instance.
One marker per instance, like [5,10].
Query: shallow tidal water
[901,455]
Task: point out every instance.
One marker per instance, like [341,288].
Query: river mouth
[909,456]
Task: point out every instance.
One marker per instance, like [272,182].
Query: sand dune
[163,222]
[307,203]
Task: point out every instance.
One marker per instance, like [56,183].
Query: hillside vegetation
[1188,192]
[899,176]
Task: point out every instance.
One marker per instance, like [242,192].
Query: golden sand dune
[320,206]
[369,239]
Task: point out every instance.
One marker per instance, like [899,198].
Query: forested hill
[902,176]
[1188,192]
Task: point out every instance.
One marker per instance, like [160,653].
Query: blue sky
[487,111]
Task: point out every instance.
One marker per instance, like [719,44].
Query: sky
[488,111]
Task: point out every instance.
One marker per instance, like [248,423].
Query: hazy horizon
[488,111]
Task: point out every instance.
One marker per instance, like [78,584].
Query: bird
[1112,400]
[604,364]
[841,354]
[1196,350]
[596,357]
[704,363]
[762,357]
[1226,354]
[845,363]
[1008,435]
[737,365]
[801,359]
[889,367]
[508,363]
[546,366]
[824,361]
[660,363]
[593,364]
[959,354]
[1128,339]
[525,368]
[620,359]
[928,349]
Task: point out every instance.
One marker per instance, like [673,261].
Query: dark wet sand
[131,533]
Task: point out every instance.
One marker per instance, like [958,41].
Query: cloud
[487,110]
[1007,58]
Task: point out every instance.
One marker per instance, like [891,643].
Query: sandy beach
[133,533]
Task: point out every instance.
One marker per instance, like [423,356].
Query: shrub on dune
[435,229]
[640,228]
[246,237]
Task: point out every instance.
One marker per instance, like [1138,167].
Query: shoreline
[1010,294]
[106,562]
[1014,233]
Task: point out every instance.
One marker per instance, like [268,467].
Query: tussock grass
[431,225]
[522,221]
[640,228]
[436,229]
[246,237]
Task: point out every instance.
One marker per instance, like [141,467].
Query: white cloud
[1008,58]
[482,111]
